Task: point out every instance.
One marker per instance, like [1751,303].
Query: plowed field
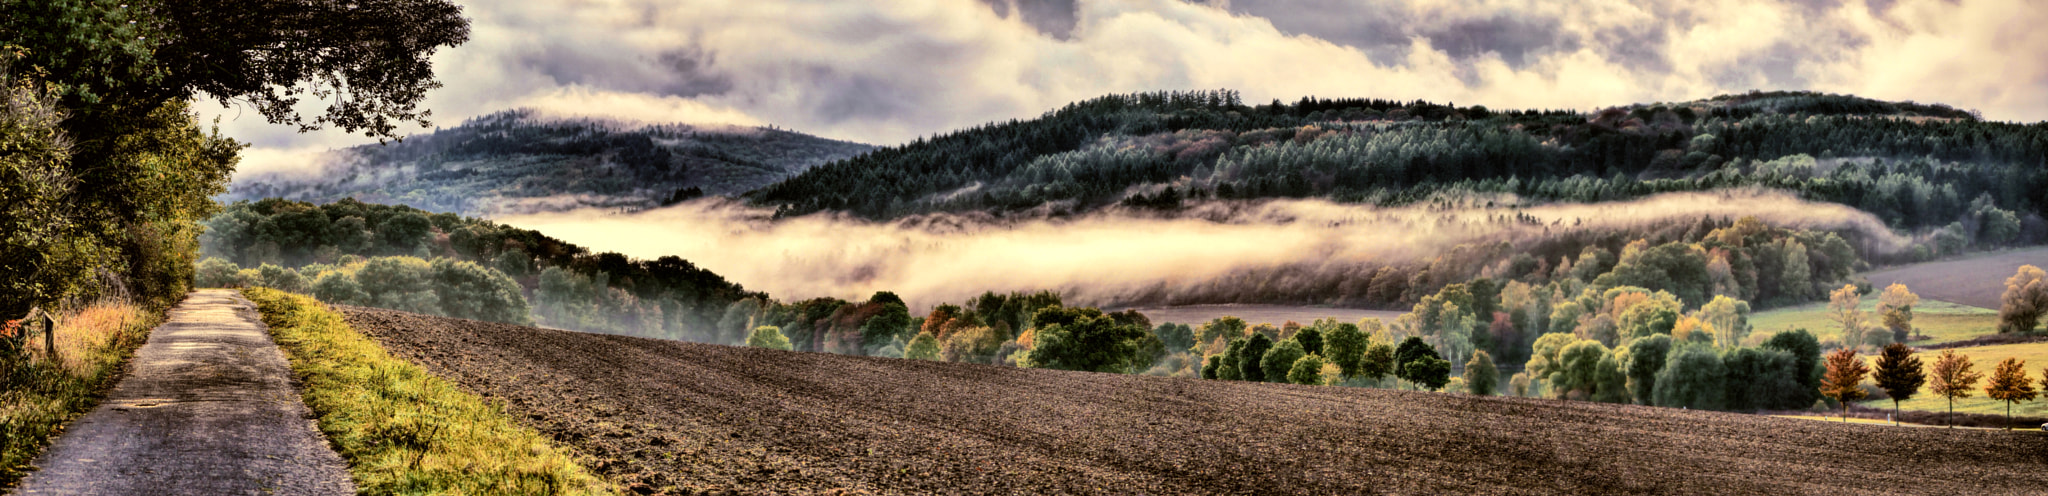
[683,417]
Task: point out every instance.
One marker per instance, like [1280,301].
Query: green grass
[39,395]
[1984,359]
[1882,422]
[402,430]
[1941,321]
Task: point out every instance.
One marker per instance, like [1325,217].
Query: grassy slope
[403,430]
[42,396]
[1984,359]
[1942,321]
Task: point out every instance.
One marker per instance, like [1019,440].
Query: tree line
[1161,150]
[562,284]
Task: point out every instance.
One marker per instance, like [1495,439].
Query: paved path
[208,407]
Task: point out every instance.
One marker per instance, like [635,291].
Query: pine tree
[1900,374]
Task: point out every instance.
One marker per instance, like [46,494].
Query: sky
[889,72]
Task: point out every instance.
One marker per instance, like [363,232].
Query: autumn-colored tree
[1844,379]
[1953,379]
[2025,299]
[1895,306]
[1844,307]
[923,347]
[1899,373]
[2009,383]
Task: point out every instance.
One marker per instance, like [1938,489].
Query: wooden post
[49,336]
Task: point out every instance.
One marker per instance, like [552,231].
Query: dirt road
[665,413]
[207,408]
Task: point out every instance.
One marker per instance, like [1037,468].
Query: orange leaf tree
[1953,379]
[2009,383]
[1844,380]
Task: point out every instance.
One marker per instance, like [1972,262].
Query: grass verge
[402,430]
[42,395]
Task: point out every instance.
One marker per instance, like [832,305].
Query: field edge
[402,429]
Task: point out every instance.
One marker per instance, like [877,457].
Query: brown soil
[665,415]
[1976,281]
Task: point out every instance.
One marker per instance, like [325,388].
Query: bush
[1279,361]
[1480,374]
[1692,378]
[1308,370]
[769,337]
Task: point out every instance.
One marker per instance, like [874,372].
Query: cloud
[581,101]
[1215,253]
[889,72]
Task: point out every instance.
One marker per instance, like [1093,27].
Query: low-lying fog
[1119,257]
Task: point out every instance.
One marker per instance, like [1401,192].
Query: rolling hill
[1916,166]
[520,162]
[684,417]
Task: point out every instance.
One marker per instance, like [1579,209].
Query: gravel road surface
[207,408]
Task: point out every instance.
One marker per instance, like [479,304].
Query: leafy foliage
[2010,384]
[2024,301]
[1844,379]
[1899,373]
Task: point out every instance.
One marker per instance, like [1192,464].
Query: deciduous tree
[1429,371]
[1346,348]
[1307,370]
[1844,307]
[2025,299]
[1645,359]
[2010,384]
[1953,379]
[1378,361]
[1279,360]
[1481,377]
[769,337]
[1249,363]
[1844,380]
[1693,377]
[1895,306]
[923,347]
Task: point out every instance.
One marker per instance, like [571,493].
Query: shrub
[1307,370]
[1280,360]
[769,337]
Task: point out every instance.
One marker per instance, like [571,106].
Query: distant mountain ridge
[1917,166]
[517,161]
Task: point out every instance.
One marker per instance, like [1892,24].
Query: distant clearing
[681,416]
[1195,315]
[1941,321]
[1976,281]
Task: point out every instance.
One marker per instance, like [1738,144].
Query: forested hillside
[403,258]
[1919,167]
[518,162]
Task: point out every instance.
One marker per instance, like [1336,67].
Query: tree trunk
[1951,413]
